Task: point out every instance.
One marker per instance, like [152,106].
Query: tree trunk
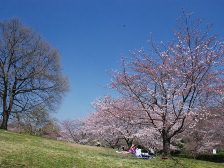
[7,111]
[166,144]
[5,120]
[129,142]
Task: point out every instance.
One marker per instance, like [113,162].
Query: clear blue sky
[93,35]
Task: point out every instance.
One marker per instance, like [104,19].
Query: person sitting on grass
[138,152]
[132,149]
[142,153]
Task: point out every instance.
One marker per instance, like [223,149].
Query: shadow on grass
[218,158]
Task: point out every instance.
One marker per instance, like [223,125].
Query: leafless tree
[30,72]
[32,121]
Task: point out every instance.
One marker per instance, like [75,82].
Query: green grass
[25,151]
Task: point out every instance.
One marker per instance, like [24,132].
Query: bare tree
[30,73]
[32,121]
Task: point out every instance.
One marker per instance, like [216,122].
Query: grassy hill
[19,150]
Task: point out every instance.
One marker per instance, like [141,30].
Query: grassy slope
[17,150]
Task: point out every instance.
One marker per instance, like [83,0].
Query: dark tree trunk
[5,120]
[129,142]
[166,144]
[166,147]
[7,110]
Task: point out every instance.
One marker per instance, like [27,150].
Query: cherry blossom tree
[73,130]
[169,84]
[149,138]
[113,121]
[117,120]
[207,133]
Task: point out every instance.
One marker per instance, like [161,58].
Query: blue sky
[93,35]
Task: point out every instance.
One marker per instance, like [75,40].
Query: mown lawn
[19,150]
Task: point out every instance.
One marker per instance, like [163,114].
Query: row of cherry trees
[164,92]
[116,122]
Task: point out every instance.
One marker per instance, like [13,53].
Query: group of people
[137,151]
